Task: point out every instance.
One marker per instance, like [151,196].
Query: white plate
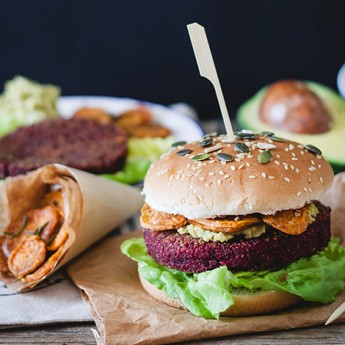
[182,126]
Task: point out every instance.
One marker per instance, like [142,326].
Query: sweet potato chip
[53,199]
[45,269]
[3,259]
[59,239]
[135,117]
[43,221]
[94,114]
[155,220]
[153,131]
[27,256]
[226,224]
[292,222]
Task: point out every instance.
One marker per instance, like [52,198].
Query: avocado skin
[332,144]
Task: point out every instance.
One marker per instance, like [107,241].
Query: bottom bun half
[244,304]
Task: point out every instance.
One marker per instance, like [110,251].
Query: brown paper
[125,314]
[335,198]
[92,206]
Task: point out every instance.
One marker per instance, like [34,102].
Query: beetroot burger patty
[272,250]
[82,144]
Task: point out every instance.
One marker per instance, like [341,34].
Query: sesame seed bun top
[253,182]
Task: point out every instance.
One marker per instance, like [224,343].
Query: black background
[141,49]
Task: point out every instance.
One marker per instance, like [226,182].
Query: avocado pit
[290,105]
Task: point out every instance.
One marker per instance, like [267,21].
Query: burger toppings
[291,222]
[154,220]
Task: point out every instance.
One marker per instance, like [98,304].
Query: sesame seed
[286,179]
[309,189]
[298,193]
[191,186]
[312,162]
[211,173]
[220,172]
[294,158]
[207,185]
[297,170]
[180,172]
[219,181]
[271,177]
[321,179]
[292,167]
[286,149]
[270,141]
[237,159]
[248,164]
[201,178]
[188,165]
[278,156]
[178,177]
[318,156]
[305,189]
[171,177]
[302,152]
[300,146]
[252,176]
[293,154]
[240,167]
[263,175]
[319,166]
[226,176]
[276,162]
[223,162]
[232,168]
[286,167]
[250,155]
[291,147]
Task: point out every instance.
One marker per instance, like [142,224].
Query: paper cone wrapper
[92,207]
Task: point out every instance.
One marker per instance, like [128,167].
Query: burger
[235,227]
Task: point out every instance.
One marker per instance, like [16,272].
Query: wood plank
[75,334]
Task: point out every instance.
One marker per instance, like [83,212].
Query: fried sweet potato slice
[155,220]
[27,256]
[143,131]
[3,259]
[94,114]
[45,269]
[135,117]
[53,199]
[292,222]
[43,220]
[13,235]
[226,224]
[58,239]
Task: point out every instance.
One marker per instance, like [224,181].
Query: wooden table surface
[81,334]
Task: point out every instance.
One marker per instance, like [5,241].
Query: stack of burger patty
[273,249]
[83,144]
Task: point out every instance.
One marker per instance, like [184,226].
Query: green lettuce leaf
[142,152]
[317,279]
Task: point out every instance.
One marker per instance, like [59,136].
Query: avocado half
[331,143]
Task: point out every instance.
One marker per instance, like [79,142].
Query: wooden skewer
[208,70]
[337,313]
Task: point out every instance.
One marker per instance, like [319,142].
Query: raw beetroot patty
[272,250]
[82,144]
